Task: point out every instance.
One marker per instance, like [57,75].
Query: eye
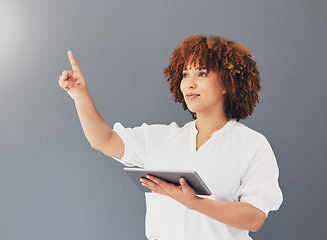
[184,75]
[203,74]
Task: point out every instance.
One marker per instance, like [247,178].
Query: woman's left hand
[182,193]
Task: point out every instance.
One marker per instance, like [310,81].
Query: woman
[218,82]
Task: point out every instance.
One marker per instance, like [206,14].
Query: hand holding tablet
[192,178]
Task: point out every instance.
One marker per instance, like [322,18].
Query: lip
[192,95]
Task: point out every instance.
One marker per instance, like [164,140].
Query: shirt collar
[220,131]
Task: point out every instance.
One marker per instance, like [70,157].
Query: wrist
[194,203]
[85,98]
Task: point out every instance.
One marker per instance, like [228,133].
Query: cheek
[215,92]
[181,87]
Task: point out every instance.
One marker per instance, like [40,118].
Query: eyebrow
[197,68]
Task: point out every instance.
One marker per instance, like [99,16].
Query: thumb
[184,184]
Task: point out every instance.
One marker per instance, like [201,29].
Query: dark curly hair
[239,72]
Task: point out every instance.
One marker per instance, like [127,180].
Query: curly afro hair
[239,72]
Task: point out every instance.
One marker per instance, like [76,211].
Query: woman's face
[207,87]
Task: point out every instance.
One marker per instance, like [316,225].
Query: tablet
[191,177]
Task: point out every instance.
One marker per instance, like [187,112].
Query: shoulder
[256,151]
[160,128]
[154,131]
[166,130]
[247,136]
[170,126]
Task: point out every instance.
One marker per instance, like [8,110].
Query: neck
[207,124]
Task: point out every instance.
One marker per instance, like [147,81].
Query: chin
[193,110]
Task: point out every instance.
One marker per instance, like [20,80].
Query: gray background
[54,186]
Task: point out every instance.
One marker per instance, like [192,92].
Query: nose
[190,82]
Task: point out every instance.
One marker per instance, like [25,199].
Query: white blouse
[236,163]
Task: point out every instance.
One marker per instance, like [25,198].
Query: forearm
[95,128]
[237,214]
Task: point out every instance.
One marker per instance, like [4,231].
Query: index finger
[73,62]
[158,181]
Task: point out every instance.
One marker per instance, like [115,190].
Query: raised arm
[96,130]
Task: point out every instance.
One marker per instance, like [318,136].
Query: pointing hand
[73,81]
